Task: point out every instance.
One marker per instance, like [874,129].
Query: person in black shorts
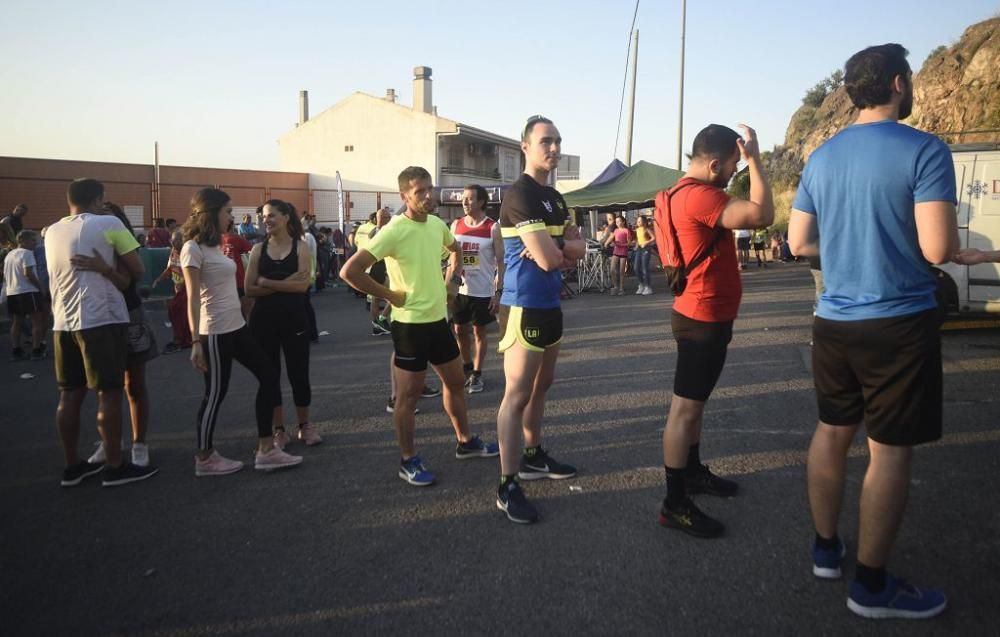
[411,245]
[877,194]
[539,239]
[696,218]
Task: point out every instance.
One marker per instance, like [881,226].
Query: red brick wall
[41,183]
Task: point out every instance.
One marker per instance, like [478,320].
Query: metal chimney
[422,100]
[303,107]
[390,95]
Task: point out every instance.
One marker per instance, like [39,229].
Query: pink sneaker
[275,459]
[309,435]
[215,465]
[281,439]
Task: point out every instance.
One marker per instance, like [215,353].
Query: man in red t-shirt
[704,217]
[234,246]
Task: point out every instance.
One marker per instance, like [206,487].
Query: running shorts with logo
[417,344]
[885,372]
[531,295]
[701,355]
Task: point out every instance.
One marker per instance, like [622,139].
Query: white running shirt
[479,259]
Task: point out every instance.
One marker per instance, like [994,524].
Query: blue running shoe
[476,448]
[899,600]
[826,562]
[414,472]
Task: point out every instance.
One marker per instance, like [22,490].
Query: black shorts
[758,246]
[472,309]
[94,357]
[27,303]
[535,330]
[417,344]
[701,355]
[378,272]
[743,243]
[885,372]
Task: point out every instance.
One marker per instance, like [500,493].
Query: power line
[628,54]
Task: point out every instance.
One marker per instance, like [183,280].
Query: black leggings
[286,331]
[220,350]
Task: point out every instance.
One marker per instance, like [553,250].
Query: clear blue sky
[216,82]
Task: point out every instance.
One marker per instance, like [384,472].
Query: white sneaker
[647,291]
[275,459]
[639,290]
[140,454]
[99,456]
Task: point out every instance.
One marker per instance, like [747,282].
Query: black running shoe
[701,480]
[429,392]
[126,473]
[378,329]
[74,475]
[17,354]
[390,407]
[511,500]
[689,518]
[544,466]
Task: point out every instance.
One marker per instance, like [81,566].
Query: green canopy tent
[633,189]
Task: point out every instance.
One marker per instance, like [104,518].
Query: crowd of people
[435,289]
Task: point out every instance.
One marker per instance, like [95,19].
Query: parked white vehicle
[975,288]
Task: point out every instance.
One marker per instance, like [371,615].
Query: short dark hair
[158,223]
[21,206]
[170,221]
[481,193]
[868,74]
[84,191]
[715,141]
[409,174]
[530,125]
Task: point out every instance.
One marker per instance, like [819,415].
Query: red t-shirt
[714,288]
[234,246]
[158,238]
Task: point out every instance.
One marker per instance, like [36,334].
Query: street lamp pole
[680,110]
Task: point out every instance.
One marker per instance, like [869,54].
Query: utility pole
[680,110]
[631,99]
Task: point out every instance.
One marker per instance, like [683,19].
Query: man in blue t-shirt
[877,203]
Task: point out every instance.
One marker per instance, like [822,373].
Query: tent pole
[631,99]
[680,109]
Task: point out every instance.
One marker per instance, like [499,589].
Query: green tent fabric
[635,188]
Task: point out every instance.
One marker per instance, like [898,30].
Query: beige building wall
[381,138]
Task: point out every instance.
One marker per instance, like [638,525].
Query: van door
[984,229]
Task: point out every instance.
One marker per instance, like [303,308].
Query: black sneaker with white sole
[542,465]
[390,407]
[690,519]
[74,475]
[126,473]
[511,500]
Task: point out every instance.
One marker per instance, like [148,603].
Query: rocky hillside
[957,89]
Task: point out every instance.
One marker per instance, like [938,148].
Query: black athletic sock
[694,455]
[531,452]
[477,372]
[467,368]
[825,544]
[279,427]
[872,579]
[676,487]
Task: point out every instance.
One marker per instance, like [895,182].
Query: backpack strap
[688,268]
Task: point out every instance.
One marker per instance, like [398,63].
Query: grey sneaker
[475,384]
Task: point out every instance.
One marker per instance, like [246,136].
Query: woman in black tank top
[278,277]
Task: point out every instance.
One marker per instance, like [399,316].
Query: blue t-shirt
[862,185]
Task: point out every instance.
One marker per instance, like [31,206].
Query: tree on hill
[815,96]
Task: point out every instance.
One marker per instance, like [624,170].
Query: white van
[975,288]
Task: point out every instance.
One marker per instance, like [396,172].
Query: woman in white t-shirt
[220,335]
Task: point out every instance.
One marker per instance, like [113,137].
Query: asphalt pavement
[342,546]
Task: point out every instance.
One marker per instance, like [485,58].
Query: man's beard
[906,105]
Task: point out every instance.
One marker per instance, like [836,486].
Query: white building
[370,139]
